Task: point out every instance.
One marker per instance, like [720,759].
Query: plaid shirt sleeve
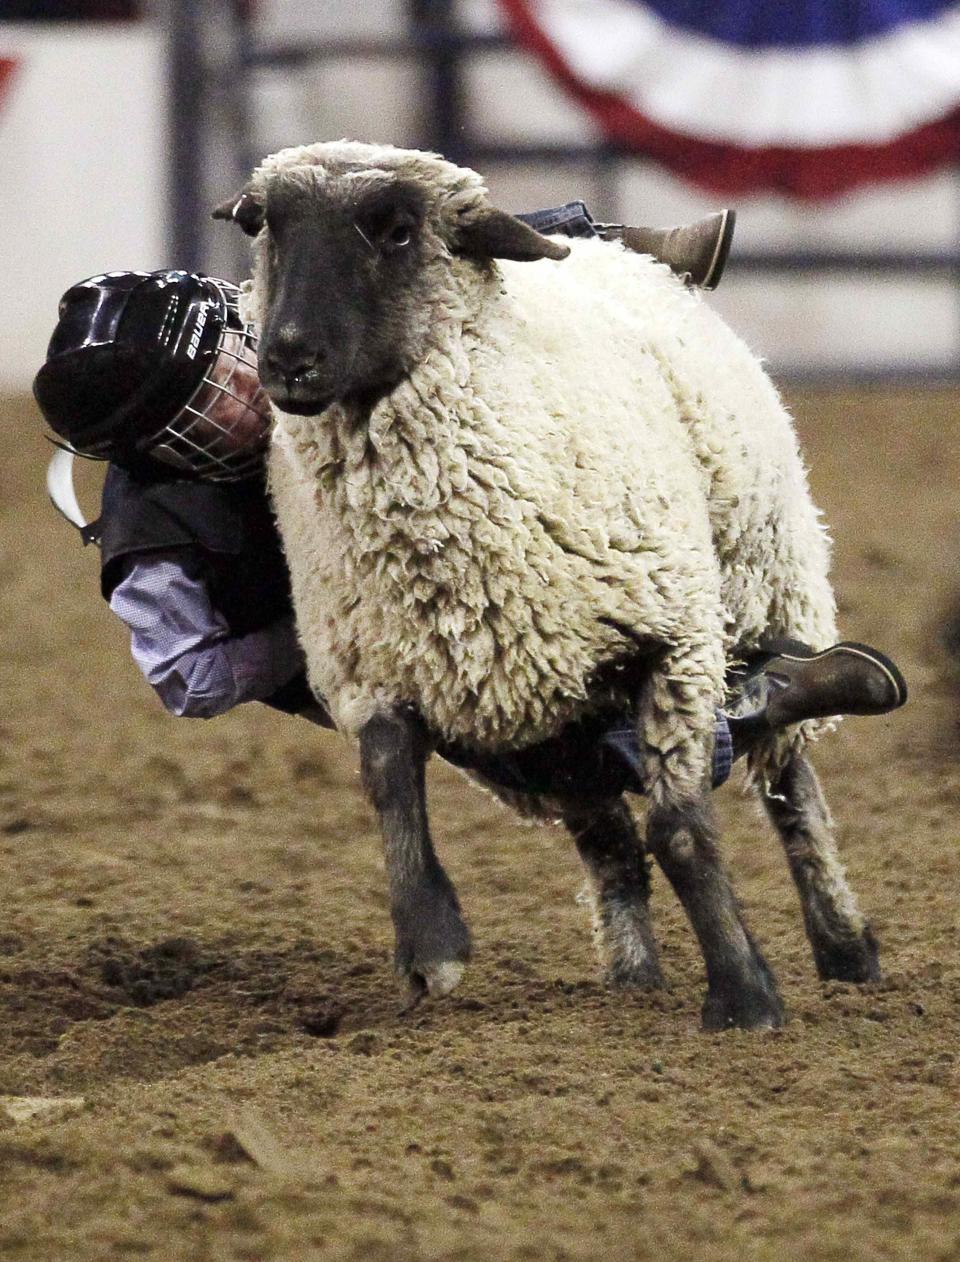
[183,645]
[624,740]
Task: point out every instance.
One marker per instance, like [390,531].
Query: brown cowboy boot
[790,682]
[697,252]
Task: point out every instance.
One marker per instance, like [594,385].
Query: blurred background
[832,127]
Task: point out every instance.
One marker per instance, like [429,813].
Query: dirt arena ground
[194,961]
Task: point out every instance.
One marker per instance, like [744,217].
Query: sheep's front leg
[740,987]
[610,847]
[843,946]
[432,941]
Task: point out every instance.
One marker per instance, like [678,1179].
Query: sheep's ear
[497,235]
[244,209]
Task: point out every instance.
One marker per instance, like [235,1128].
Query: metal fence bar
[436,39]
[934,376]
[845,261]
[423,38]
[186,95]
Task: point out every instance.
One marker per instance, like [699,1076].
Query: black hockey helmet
[137,368]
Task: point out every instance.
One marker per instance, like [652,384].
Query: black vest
[229,524]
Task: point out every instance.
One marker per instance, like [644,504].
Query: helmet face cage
[222,431]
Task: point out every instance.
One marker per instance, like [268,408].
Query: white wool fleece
[583,440]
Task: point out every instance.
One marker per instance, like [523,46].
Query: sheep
[494,480]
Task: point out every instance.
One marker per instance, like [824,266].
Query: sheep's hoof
[631,975]
[747,1008]
[431,953]
[848,960]
[435,981]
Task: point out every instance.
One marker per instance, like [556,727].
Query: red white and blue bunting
[806,97]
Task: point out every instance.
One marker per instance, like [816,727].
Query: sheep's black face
[345,301]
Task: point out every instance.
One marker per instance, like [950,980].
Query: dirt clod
[322,1023]
[207,1183]
[143,976]
[714,1167]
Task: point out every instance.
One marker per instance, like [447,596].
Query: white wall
[82,152]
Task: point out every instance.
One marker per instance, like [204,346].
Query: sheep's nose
[290,354]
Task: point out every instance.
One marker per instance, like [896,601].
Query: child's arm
[184,647]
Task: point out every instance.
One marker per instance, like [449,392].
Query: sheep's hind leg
[610,847]
[741,990]
[844,949]
[432,941]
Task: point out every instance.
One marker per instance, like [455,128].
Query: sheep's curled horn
[492,234]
